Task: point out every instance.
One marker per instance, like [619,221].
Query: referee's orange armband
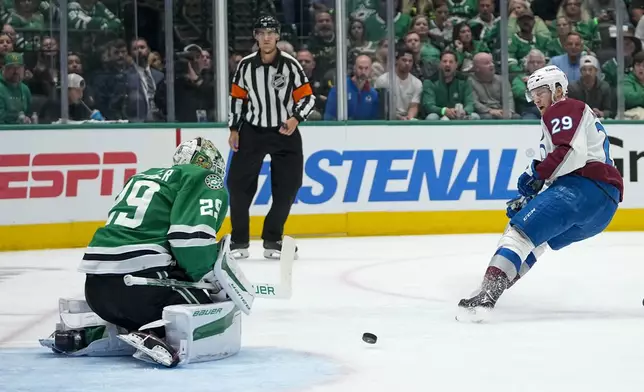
[238,92]
[302,92]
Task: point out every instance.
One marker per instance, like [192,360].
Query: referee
[270,95]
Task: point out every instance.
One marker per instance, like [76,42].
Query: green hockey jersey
[372,14]
[99,17]
[162,216]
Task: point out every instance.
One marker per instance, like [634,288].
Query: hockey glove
[529,183]
[516,204]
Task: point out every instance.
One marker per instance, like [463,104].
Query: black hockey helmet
[267,22]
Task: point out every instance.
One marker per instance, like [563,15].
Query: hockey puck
[369,338]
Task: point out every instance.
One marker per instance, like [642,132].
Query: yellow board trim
[78,234]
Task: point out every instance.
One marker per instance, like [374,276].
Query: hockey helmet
[200,152]
[549,76]
[267,22]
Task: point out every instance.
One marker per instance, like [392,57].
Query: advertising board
[358,180]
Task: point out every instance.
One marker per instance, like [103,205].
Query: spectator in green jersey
[15,97]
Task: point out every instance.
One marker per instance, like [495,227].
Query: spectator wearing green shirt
[485,20]
[632,46]
[634,87]
[6,46]
[448,96]
[522,7]
[465,47]
[15,97]
[425,66]
[428,51]
[521,43]
[439,27]
[581,19]
[25,15]
[373,14]
[462,10]
[517,9]
[92,15]
[556,45]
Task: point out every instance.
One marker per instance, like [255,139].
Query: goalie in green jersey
[163,225]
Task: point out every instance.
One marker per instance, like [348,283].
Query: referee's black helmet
[267,22]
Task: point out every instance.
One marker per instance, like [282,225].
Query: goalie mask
[200,152]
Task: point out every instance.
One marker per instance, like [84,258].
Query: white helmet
[200,152]
[549,76]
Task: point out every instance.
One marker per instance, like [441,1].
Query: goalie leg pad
[203,333]
[81,332]
[231,278]
[513,249]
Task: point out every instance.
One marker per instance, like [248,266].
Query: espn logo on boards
[53,174]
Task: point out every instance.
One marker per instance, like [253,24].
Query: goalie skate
[152,347]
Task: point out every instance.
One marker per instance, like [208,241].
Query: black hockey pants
[287,165]
[131,307]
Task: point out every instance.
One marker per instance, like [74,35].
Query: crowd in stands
[110,76]
[448,56]
[447,60]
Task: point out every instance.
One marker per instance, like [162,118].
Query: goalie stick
[283,290]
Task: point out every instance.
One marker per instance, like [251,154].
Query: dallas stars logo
[214,182]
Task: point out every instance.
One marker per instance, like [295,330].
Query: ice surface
[575,323]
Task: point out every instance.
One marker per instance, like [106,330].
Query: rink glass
[224,32]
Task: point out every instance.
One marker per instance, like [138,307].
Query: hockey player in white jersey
[583,189]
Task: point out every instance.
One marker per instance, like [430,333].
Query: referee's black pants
[287,165]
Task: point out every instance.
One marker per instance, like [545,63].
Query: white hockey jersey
[575,141]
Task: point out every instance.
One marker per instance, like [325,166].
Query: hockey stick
[262,290]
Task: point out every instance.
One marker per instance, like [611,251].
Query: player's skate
[151,347]
[239,251]
[478,307]
[273,250]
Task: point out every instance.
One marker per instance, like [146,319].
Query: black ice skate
[239,251]
[480,300]
[273,249]
[151,347]
[477,307]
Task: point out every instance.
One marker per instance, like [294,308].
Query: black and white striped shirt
[266,95]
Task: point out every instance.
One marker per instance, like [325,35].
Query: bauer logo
[369,175]
[49,175]
[206,312]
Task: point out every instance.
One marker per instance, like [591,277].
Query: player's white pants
[516,254]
